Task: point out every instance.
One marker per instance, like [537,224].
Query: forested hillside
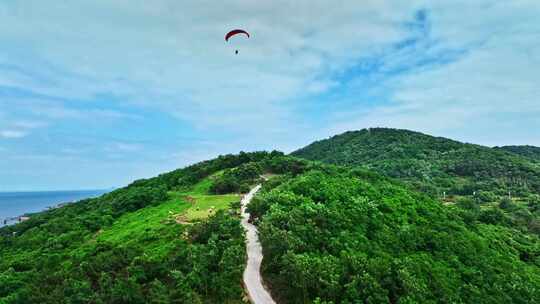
[466,174]
[330,234]
[333,235]
[170,239]
[433,164]
[530,152]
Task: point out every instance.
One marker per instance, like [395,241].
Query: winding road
[252,274]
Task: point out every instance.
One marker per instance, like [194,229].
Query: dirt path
[252,274]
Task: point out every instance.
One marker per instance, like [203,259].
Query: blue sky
[95,94]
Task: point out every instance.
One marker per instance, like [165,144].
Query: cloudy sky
[94,94]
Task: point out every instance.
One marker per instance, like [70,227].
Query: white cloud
[172,55]
[90,61]
[18,128]
[490,95]
[25,124]
[123,147]
[12,134]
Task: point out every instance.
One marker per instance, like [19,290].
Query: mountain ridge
[528,151]
[433,161]
[329,233]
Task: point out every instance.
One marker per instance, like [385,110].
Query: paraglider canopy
[235,32]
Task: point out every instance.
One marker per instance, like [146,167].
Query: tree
[507,204]
[158,293]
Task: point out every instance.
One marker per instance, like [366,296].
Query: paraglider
[233,33]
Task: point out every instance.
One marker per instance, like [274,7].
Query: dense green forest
[530,152]
[333,235]
[330,234]
[445,169]
[128,246]
[433,164]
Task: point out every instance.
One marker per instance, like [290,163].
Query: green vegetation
[443,168]
[333,235]
[330,234]
[237,179]
[203,187]
[206,205]
[150,221]
[530,152]
[434,164]
[128,247]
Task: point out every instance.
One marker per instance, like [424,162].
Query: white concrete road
[252,274]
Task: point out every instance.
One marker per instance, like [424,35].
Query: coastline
[21,205]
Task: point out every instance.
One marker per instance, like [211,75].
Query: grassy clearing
[202,203]
[157,226]
[203,186]
[205,205]
[153,226]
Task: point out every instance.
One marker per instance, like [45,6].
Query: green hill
[446,169]
[330,235]
[431,164]
[530,152]
[333,235]
[175,238]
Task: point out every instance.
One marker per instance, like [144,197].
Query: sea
[15,204]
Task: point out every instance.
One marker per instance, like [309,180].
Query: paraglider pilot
[235,32]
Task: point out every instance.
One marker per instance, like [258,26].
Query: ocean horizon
[18,203]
